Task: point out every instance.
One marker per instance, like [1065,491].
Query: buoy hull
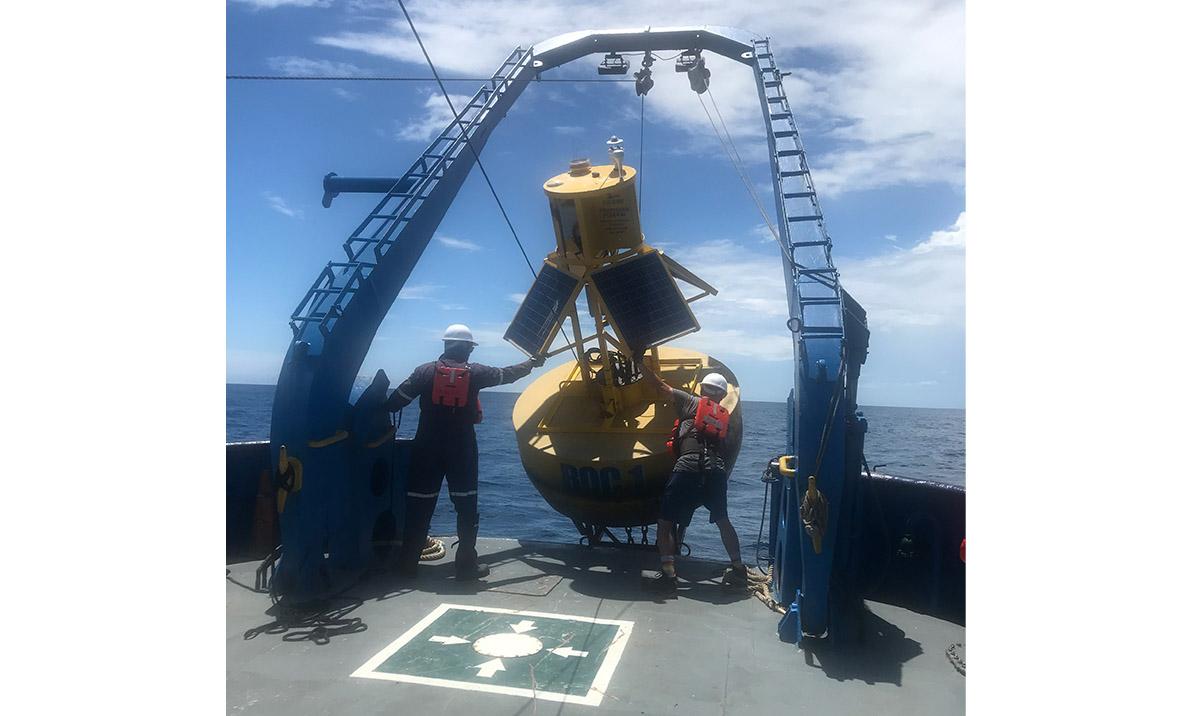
[609,471]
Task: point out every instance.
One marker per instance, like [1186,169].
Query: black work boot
[470,571]
[466,559]
[406,562]
[736,576]
[664,582]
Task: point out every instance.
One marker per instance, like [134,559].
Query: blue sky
[878,91]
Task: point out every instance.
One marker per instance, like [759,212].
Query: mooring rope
[434,549]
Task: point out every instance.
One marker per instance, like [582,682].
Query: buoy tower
[591,432]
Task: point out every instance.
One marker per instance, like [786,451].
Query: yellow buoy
[610,471]
[592,432]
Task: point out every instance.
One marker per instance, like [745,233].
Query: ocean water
[922,443]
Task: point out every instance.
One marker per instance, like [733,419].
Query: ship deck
[564,629]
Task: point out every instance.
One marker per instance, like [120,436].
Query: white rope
[741,175]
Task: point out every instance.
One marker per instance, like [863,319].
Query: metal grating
[643,302]
[542,310]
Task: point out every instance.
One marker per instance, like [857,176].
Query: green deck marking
[548,656]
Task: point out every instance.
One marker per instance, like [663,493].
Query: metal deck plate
[706,650]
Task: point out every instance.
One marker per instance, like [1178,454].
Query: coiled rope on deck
[434,549]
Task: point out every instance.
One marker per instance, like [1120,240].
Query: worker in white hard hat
[444,446]
[699,476]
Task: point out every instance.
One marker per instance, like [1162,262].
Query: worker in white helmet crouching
[699,476]
[444,446]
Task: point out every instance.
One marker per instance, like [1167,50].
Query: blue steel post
[815,310]
[335,185]
[324,542]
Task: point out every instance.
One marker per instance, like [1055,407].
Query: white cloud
[293,66]
[953,238]
[419,291]
[272,4]
[516,297]
[748,316]
[889,237]
[765,233]
[883,81]
[923,286]
[569,129]
[277,203]
[433,119]
[345,94]
[459,244]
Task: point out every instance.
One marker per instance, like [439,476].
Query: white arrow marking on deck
[565,651]
[448,640]
[488,668]
[523,626]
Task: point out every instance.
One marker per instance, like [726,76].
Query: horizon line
[748,400]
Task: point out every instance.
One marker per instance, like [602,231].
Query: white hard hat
[459,332]
[716,380]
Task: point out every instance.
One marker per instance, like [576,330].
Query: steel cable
[467,140]
[745,181]
[367,78]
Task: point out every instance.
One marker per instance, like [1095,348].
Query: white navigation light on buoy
[616,150]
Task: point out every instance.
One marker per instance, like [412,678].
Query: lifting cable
[740,162]
[741,175]
[641,150]
[467,138]
[478,159]
[738,165]
[739,168]
[369,78]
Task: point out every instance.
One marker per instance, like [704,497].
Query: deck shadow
[603,573]
[318,622]
[619,573]
[616,574]
[878,657]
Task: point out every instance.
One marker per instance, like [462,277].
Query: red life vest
[710,424]
[712,420]
[673,440]
[450,385]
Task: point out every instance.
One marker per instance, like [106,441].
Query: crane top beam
[730,42]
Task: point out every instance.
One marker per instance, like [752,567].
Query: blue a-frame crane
[339,463]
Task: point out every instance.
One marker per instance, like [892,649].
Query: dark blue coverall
[444,446]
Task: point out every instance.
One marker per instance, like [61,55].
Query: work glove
[538,360]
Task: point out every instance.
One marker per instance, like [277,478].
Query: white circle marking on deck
[508,645]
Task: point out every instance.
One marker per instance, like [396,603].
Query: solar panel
[541,311]
[643,302]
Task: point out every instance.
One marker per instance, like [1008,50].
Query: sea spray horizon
[922,443]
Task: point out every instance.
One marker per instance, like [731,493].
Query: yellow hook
[287,464]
